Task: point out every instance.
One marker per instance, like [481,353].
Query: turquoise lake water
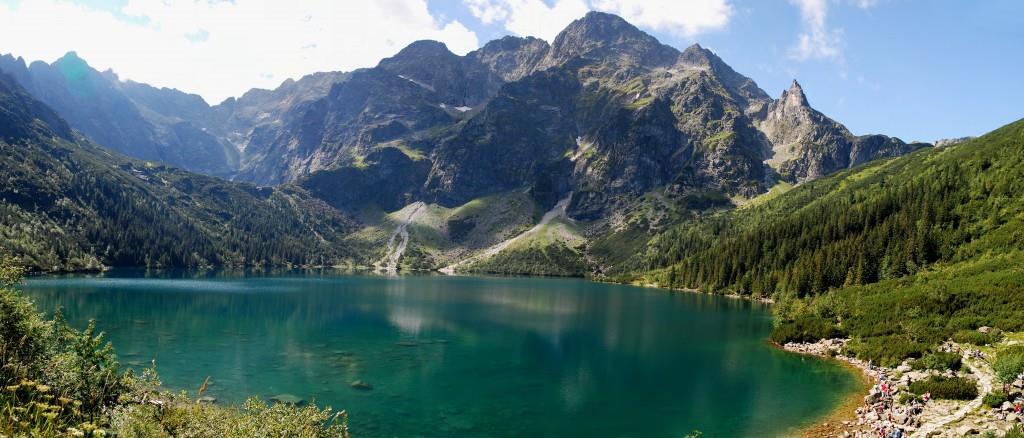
[461,356]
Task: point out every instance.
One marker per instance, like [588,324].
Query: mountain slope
[932,240]
[68,204]
[135,119]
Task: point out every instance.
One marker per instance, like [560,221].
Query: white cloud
[866,4]
[544,20]
[221,49]
[816,41]
[685,18]
[529,17]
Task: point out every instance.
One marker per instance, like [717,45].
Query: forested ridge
[886,220]
[899,253]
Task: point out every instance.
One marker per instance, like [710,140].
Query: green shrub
[183,417]
[950,388]
[886,350]
[54,379]
[1009,363]
[906,398]
[57,381]
[806,329]
[975,337]
[1015,432]
[995,399]
[939,361]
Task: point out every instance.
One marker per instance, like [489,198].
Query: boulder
[207,399]
[1006,406]
[967,429]
[984,329]
[904,368]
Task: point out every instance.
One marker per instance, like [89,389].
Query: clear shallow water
[462,356]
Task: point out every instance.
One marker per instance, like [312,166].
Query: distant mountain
[131,118]
[68,204]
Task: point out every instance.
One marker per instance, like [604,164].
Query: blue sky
[920,70]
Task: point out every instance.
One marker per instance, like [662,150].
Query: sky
[917,69]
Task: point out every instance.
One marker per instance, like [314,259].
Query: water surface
[461,356]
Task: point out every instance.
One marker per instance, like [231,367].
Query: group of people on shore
[881,403]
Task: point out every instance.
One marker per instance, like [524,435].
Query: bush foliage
[949,388]
[56,381]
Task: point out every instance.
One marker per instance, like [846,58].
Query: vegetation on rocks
[1009,363]
[950,388]
[939,361]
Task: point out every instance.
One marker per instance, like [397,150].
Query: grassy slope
[553,249]
[439,235]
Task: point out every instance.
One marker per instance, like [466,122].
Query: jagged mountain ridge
[132,118]
[160,124]
[604,111]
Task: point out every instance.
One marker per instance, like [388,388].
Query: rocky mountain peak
[511,57]
[423,48]
[794,96]
[599,35]
[696,56]
[71,59]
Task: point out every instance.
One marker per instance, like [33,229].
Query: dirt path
[395,252]
[985,377]
[557,211]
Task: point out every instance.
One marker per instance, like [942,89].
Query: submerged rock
[361,385]
[288,399]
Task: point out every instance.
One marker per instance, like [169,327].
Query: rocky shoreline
[882,415]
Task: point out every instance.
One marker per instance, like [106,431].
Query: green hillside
[911,249]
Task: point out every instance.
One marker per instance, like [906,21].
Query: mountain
[633,135]
[899,254]
[69,204]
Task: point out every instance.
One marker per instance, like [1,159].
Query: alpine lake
[423,355]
